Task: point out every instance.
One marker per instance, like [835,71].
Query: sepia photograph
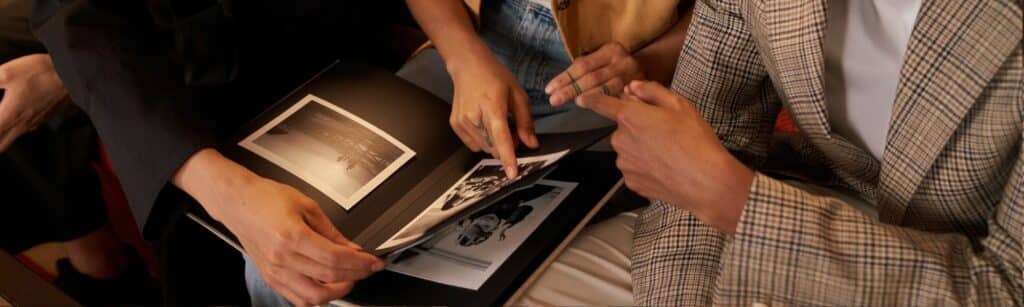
[482,180]
[467,254]
[329,148]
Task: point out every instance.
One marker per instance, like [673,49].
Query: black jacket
[163,79]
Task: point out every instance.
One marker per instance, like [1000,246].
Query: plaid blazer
[949,189]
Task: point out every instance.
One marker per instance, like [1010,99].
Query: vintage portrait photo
[334,151]
[467,254]
[482,180]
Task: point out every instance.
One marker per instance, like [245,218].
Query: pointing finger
[497,126]
[606,106]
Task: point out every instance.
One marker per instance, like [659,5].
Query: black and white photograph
[482,180]
[333,150]
[485,180]
[467,254]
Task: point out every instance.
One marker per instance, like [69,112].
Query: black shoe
[132,287]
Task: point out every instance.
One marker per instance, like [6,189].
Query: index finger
[497,128]
[604,105]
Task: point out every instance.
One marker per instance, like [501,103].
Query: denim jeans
[260,294]
[524,37]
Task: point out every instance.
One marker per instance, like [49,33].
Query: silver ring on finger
[576,89]
[484,134]
[606,90]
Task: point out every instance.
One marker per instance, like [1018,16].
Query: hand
[32,90]
[667,151]
[485,92]
[293,244]
[606,71]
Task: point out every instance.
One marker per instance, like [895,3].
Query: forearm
[450,28]
[212,179]
[658,59]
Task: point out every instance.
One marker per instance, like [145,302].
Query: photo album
[379,157]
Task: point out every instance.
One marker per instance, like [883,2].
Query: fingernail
[510,171]
[377,267]
[533,140]
[636,84]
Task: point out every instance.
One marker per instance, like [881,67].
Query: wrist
[734,194]
[213,180]
[720,198]
[472,56]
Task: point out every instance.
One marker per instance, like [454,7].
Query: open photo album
[379,157]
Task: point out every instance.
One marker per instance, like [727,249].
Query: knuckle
[623,116]
[680,100]
[307,203]
[616,141]
[620,163]
[336,258]
[320,297]
[466,119]
[618,47]
[275,257]
[5,73]
[284,239]
[290,235]
[630,62]
[615,84]
[348,288]
[336,276]
[521,97]
[309,299]
[583,63]
[630,183]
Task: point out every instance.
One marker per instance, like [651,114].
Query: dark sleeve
[117,67]
[16,38]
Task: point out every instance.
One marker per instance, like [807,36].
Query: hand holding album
[380,160]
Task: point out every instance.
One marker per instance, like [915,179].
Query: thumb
[523,119]
[606,106]
[655,94]
[322,224]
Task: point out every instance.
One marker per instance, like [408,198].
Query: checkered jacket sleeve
[743,110]
[793,246]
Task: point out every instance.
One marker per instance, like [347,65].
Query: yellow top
[586,25]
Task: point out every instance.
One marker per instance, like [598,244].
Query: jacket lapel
[955,49]
[789,35]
